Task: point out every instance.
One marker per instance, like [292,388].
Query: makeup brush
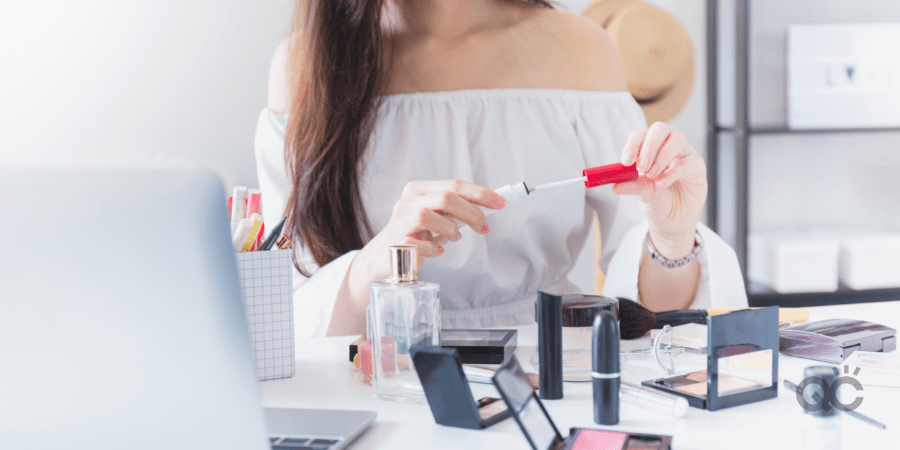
[635,320]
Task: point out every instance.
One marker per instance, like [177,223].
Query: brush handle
[681,317]
[785,315]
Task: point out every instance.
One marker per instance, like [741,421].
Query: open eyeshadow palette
[741,363]
[448,392]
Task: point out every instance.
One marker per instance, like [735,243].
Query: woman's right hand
[423,216]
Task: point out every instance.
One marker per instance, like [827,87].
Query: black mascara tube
[549,321]
[605,376]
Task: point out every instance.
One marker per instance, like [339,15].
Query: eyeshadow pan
[693,389]
[491,409]
[599,440]
[643,442]
[675,382]
[697,376]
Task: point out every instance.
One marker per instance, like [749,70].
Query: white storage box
[870,261]
[793,261]
[843,75]
[268,300]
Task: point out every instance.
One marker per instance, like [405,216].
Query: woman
[388,118]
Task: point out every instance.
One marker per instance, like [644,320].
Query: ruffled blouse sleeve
[603,129]
[314,297]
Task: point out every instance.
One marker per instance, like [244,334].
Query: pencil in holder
[268,300]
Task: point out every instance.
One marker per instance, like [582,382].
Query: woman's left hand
[671,186]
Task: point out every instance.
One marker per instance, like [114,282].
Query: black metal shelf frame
[742,132]
[844,295]
[786,130]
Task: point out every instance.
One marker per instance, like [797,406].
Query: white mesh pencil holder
[268,300]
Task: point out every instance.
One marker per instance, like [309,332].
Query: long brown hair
[337,72]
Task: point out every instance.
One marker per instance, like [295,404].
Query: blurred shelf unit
[742,131]
[786,130]
[763,296]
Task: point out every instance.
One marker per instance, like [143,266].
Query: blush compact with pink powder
[542,434]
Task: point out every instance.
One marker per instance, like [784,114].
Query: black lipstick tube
[549,321]
[605,376]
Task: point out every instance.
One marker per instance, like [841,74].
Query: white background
[137,82]
[101,82]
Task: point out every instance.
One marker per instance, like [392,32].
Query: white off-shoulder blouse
[495,137]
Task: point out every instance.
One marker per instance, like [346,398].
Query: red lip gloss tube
[609,174]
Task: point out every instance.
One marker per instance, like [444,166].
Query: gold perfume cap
[403,263]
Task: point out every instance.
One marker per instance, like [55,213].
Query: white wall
[101,82]
[137,82]
[844,180]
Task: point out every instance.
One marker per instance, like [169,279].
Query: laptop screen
[518,393]
[126,314]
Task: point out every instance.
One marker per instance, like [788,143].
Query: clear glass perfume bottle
[407,312]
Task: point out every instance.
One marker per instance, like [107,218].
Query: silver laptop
[121,323]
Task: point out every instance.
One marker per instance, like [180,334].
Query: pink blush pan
[599,440]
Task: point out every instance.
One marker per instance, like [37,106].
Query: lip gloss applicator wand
[597,176]
[591,177]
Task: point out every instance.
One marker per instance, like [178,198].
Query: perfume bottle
[407,313]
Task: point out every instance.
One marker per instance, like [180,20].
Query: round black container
[577,313]
[580,310]
[824,377]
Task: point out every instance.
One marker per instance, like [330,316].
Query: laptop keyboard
[302,443]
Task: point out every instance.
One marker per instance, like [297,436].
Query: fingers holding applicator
[635,320]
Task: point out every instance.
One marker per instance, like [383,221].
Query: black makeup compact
[741,364]
[541,432]
[448,393]
[481,346]
[474,346]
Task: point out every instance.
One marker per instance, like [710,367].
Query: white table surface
[326,379]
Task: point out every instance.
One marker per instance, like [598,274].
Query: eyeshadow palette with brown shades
[694,383]
[742,362]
